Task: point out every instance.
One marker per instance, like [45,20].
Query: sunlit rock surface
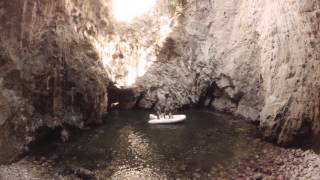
[257,59]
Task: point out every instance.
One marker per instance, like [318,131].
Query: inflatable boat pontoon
[174,119]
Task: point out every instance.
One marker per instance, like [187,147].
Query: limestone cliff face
[50,73]
[258,59]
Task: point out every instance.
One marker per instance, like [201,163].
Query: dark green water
[127,147]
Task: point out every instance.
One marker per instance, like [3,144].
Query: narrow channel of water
[127,147]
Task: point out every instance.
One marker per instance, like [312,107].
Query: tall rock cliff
[257,59]
[50,73]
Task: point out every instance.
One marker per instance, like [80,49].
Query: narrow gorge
[243,71]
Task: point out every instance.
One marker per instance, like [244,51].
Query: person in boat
[163,113]
[162,116]
[159,111]
[168,112]
[158,114]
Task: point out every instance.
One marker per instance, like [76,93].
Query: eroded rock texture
[50,72]
[257,59]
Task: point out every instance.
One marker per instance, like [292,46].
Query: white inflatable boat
[175,119]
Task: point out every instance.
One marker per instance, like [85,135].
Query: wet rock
[183,167]
[64,135]
[258,176]
[5,110]
[196,175]
[85,174]
[224,104]
[42,158]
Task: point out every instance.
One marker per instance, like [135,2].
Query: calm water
[127,147]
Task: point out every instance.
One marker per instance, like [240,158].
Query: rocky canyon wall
[58,60]
[50,73]
[254,58]
[257,59]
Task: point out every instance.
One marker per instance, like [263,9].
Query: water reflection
[135,142]
[166,127]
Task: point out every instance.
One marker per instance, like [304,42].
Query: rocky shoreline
[272,163]
[279,163]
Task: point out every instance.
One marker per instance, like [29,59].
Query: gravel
[273,163]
